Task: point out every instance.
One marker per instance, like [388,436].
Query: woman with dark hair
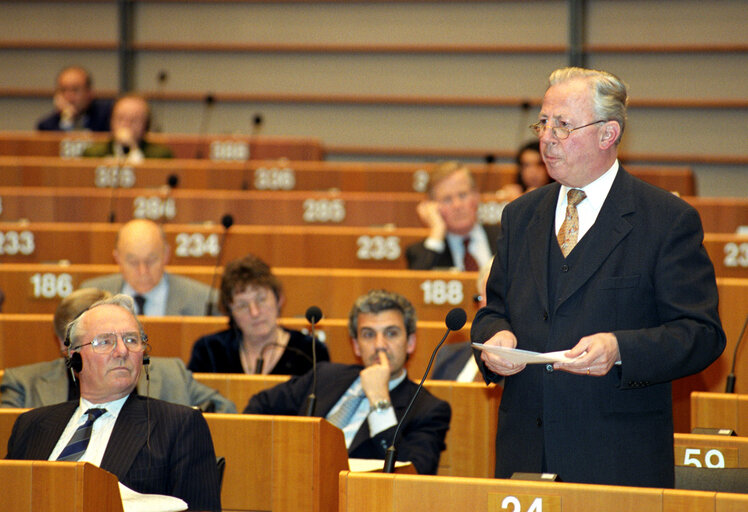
[531,173]
[252,298]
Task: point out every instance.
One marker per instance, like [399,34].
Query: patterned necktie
[77,445]
[345,412]
[567,235]
[469,262]
[140,303]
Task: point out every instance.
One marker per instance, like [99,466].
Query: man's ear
[115,255]
[410,346]
[611,131]
[356,348]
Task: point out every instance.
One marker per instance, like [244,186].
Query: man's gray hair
[609,93]
[377,301]
[74,331]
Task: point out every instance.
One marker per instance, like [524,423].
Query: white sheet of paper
[133,501]
[516,355]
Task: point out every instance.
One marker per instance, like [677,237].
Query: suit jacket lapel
[51,427]
[128,436]
[609,230]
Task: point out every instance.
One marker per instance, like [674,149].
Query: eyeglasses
[105,343]
[260,301]
[560,132]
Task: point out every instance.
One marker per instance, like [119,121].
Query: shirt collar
[597,191]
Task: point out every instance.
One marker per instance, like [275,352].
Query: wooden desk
[213,146]
[58,487]
[405,493]
[471,445]
[37,288]
[720,410]
[174,337]
[320,246]
[282,174]
[278,463]
[707,451]
[64,204]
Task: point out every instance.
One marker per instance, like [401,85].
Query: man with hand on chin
[366,402]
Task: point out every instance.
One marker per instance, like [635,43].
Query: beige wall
[653,75]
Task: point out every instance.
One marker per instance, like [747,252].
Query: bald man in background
[142,254]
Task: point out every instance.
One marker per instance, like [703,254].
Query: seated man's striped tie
[77,445]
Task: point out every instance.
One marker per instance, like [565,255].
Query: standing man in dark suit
[366,402]
[456,239]
[621,283]
[75,106]
[152,446]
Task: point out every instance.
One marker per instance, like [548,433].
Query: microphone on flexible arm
[115,182]
[172,181]
[226,221]
[730,385]
[455,320]
[313,315]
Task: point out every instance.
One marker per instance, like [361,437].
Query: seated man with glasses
[49,382]
[152,446]
[252,297]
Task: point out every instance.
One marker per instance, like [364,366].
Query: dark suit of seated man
[75,106]
[456,239]
[152,446]
[49,382]
[382,326]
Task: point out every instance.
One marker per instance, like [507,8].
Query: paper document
[133,501]
[516,355]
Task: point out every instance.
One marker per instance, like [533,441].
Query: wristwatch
[380,406]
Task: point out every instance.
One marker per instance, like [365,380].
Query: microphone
[207,110]
[730,385]
[172,180]
[227,221]
[455,320]
[313,315]
[257,121]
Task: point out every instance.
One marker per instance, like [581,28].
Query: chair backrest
[712,479]
[221,464]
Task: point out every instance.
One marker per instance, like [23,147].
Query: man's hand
[496,363]
[428,212]
[593,355]
[66,109]
[375,379]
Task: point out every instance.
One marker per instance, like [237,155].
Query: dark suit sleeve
[284,399]
[421,438]
[421,258]
[690,336]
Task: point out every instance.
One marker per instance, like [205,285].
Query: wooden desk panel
[62,204]
[317,246]
[720,410]
[471,446]
[37,288]
[711,451]
[213,146]
[276,175]
[404,493]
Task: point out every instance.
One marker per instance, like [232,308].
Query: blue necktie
[77,445]
[345,412]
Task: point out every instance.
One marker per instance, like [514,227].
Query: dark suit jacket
[421,258]
[451,360]
[180,461]
[97,118]
[421,438]
[149,149]
[642,274]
